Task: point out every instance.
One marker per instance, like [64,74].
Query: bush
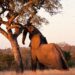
[71,63]
[6,61]
[67,55]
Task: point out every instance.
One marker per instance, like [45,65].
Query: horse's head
[35,41]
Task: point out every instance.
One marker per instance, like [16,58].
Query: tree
[19,12]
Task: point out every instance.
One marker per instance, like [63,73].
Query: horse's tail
[63,61]
[64,64]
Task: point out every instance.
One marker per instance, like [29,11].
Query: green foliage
[67,55]
[71,63]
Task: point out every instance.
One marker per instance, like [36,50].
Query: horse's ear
[35,41]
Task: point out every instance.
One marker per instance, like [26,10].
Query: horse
[50,55]
[32,30]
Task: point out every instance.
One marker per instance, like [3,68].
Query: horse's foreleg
[40,66]
[33,60]
[33,64]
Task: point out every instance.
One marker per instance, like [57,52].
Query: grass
[38,72]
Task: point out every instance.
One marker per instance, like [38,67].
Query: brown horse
[49,55]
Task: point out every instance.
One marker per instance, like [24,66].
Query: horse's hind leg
[35,64]
[40,66]
[64,65]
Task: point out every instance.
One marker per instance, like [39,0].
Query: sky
[61,27]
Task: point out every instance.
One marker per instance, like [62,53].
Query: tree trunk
[16,52]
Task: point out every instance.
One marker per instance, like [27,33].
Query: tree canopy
[28,8]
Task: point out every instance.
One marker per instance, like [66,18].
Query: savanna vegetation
[7,61]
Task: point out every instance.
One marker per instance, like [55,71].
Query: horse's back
[51,47]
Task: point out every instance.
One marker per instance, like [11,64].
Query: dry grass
[38,72]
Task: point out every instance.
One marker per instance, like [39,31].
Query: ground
[38,72]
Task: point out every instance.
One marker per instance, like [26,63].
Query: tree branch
[16,35]
[8,23]
[13,26]
[10,20]
[2,22]
[16,26]
[4,33]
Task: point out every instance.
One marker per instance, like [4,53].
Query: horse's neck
[35,41]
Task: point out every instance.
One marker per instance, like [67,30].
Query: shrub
[6,61]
